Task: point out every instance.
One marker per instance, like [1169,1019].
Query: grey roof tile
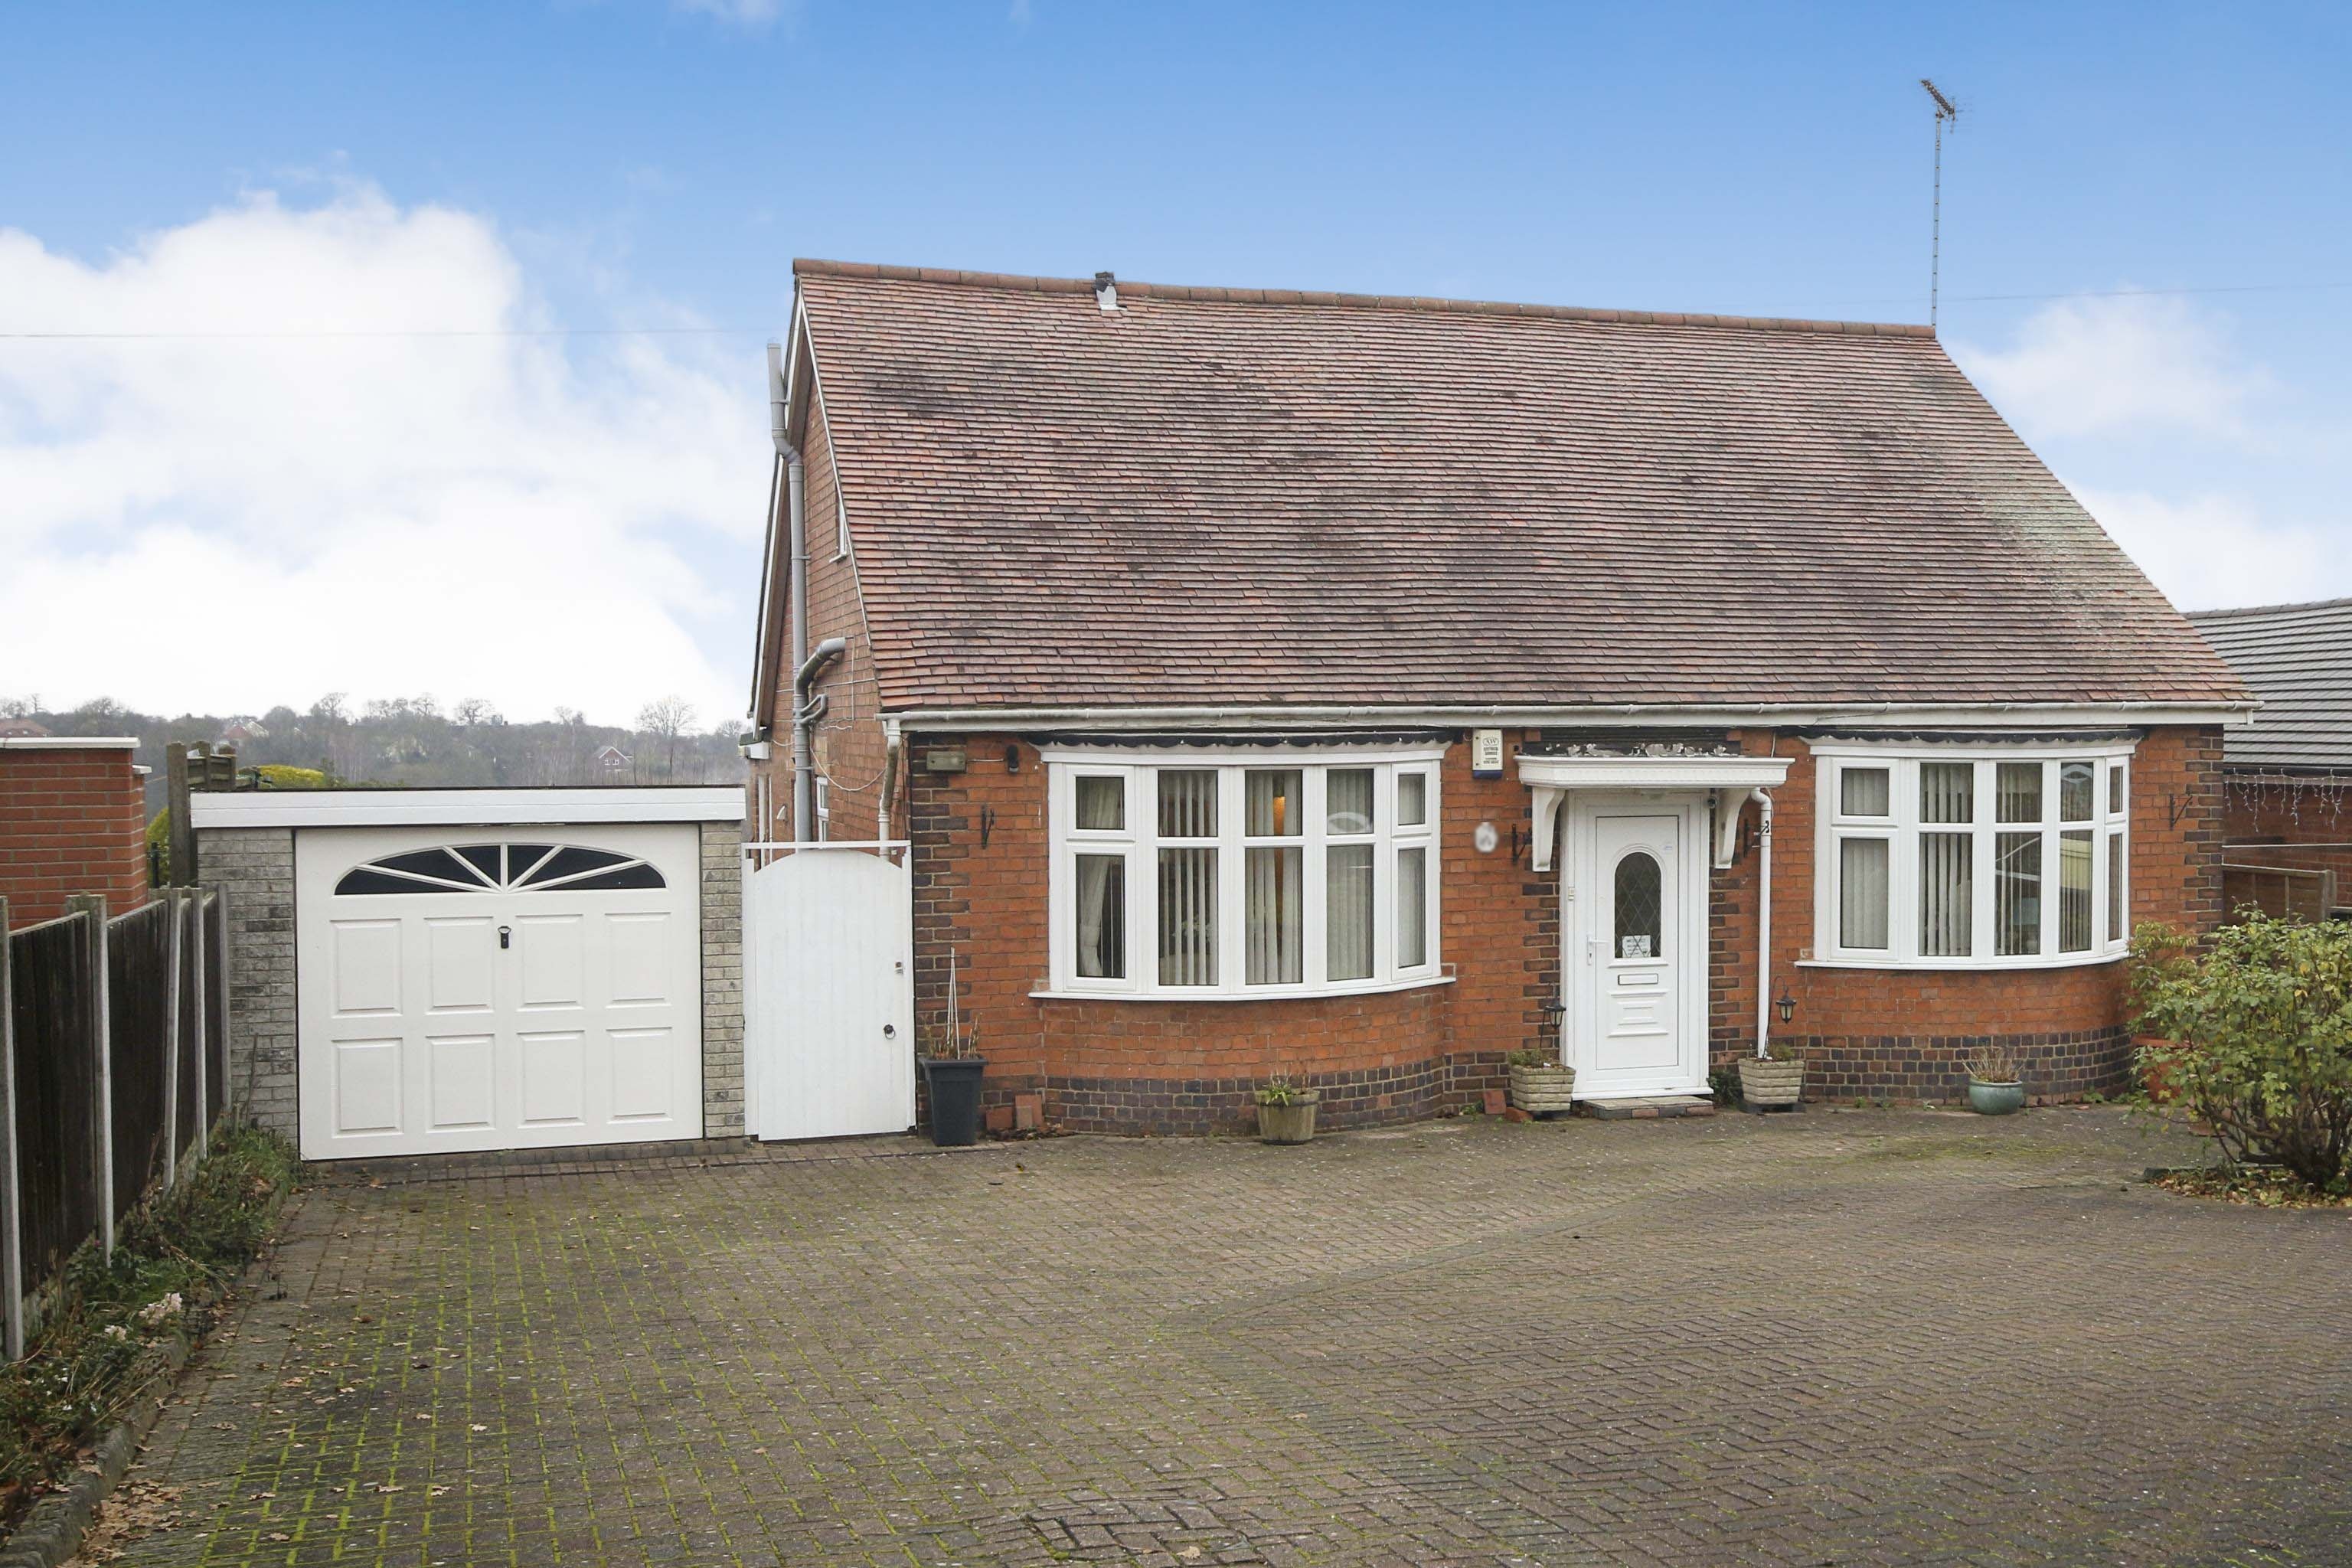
[2298,659]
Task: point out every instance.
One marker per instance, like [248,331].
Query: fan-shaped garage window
[500,869]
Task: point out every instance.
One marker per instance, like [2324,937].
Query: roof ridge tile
[1197,293]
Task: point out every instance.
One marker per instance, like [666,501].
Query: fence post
[91,907]
[226,951]
[203,986]
[12,1225]
[175,909]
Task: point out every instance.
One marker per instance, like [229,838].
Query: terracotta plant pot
[1995,1098]
[1539,1091]
[1292,1123]
[1771,1083]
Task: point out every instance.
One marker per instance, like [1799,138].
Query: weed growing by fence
[104,1342]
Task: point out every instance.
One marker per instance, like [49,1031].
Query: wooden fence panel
[139,957]
[52,994]
[191,1029]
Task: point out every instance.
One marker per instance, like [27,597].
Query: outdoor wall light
[1787,1003]
[1013,759]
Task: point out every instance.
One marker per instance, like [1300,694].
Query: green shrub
[103,1341]
[2257,1032]
[1282,1091]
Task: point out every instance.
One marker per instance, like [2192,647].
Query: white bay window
[1960,857]
[1284,872]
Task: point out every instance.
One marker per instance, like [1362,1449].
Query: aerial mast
[1945,109]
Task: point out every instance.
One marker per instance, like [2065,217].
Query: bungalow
[1361,690]
[2288,826]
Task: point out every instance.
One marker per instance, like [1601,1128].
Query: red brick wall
[2303,823]
[1903,1033]
[72,820]
[847,744]
[1167,1066]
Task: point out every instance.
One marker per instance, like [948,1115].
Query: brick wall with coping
[255,866]
[73,820]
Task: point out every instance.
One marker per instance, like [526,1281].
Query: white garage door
[497,988]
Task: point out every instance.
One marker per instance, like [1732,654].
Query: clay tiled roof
[1222,496]
[2298,659]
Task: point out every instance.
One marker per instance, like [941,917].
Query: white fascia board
[69,743]
[1653,772]
[463,807]
[1770,715]
[1337,750]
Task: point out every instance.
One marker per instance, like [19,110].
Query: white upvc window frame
[2109,828]
[1138,843]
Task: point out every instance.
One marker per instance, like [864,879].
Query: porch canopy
[1728,777]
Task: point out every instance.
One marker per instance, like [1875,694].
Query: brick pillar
[73,820]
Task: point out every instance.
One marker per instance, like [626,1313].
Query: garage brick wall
[722,980]
[255,867]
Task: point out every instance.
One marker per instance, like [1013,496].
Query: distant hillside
[412,741]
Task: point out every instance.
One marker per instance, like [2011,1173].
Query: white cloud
[2210,551]
[472,513]
[742,13]
[2099,367]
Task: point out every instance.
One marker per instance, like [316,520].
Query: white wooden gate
[828,995]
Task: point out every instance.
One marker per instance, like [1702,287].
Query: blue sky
[255,171]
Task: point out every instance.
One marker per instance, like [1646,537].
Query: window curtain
[2016,892]
[1102,917]
[2074,888]
[1862,893]
[1276,952]
[1347,912]
[1274,877]
[2117,921]
[1413,908]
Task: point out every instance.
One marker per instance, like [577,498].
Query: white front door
[1635,968]
[497,988]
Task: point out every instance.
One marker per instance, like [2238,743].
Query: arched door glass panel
[1640,893]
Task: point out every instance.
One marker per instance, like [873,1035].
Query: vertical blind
[1188,878]
[1948,861]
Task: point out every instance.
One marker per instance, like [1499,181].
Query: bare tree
[476,710]
[666,717]
[20,707]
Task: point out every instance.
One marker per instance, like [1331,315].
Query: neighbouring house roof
[2298,659]
[1217,496]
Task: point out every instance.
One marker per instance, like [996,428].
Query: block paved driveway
[1834,1338]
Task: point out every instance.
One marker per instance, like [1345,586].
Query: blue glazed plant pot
[1995,1098]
